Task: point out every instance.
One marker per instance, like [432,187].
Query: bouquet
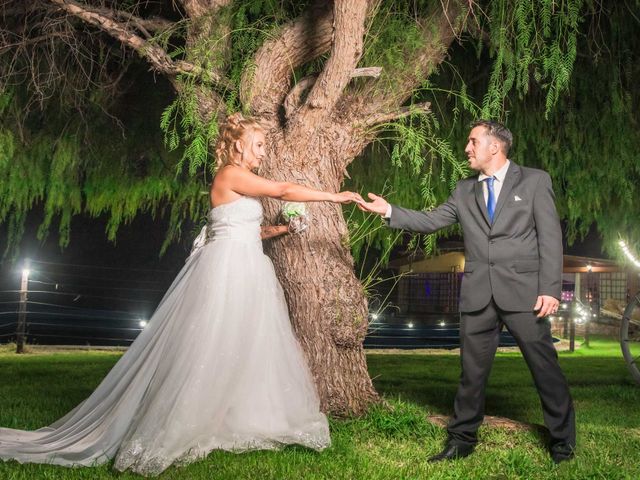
[295,214]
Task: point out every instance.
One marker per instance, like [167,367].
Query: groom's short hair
[498,131]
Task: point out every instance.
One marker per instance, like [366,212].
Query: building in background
[429,289]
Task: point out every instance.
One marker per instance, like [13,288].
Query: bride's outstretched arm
[244,182]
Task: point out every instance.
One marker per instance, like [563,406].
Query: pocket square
[516,198]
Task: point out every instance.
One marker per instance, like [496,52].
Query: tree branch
[373,72]
[156,56]
[264,87]
[439,31]
[199,8]
[349,19]
[208,43]
[33,40]
[383,117]
[295,97]
[145,25]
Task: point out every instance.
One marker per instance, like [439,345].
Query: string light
[627,252]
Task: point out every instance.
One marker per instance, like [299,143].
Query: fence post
[572,335]
[22,311]
[577,293]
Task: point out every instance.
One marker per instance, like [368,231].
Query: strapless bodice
[236,220]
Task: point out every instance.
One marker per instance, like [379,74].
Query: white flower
[295,213]
[293,209]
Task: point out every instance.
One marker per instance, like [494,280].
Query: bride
[218,366]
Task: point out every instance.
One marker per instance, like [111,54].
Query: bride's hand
[297,225]
[348,197]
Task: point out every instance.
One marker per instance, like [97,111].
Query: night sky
[95,288]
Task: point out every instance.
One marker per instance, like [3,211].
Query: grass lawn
[392,441]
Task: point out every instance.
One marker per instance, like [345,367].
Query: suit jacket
[516,258]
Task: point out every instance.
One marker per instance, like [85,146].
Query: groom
[512,277]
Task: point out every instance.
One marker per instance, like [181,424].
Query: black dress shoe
[561,453]
[559,457]
[453,451]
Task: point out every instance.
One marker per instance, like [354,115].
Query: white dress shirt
[497,183]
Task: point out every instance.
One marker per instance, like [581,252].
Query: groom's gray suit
[509,263]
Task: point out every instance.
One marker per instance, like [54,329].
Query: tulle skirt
[217,367]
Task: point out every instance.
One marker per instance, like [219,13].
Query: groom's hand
[547,305]
[378,205]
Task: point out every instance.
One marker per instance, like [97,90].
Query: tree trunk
[327,305]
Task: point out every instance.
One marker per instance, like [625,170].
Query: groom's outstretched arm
[414,220]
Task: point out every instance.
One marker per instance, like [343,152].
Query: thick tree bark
[326,301]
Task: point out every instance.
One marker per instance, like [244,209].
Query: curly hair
[233,129]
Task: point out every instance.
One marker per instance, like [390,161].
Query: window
[613,285]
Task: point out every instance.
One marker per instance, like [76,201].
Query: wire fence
[74,304]
[79,304]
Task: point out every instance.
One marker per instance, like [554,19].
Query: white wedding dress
[217,367]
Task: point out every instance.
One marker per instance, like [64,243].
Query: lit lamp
[22,308]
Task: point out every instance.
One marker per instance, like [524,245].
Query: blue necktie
[491,197]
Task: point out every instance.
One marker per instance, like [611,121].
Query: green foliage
[588,142]
[530,39]
[63,192]
[591,155]
[183,126]
[419,172]
[245,27]
[65,176]
[521,69]
[392,35]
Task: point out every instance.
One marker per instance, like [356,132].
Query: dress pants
[479,338]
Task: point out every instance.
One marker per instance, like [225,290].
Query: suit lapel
[512,177]
[480,201]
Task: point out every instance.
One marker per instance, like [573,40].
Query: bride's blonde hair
[232,130]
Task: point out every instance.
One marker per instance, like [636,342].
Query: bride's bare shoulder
[231,180]
[230,172]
